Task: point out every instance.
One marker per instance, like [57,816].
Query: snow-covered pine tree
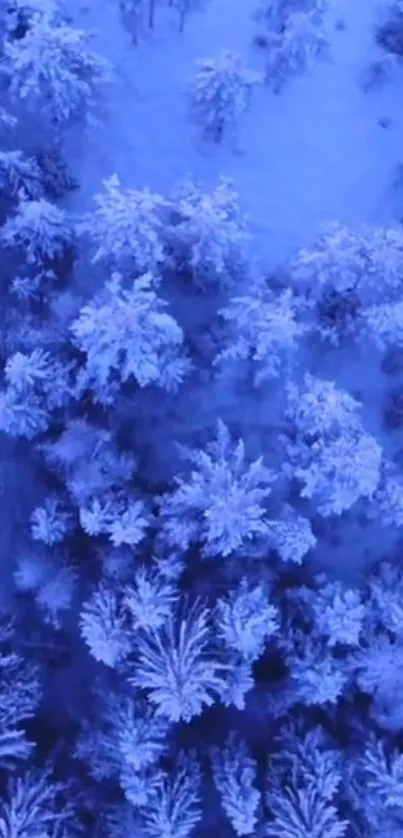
[125,228]
[351,279]
[54,71]
[20,695]
[173,805]
[221,93]
[126,334]
[35,805]
[40,230]
[264,329]
[221,503]
[331,454]
[175,665]
[235,773]
[209,238]
[301,42]
[104,628]
[246,620]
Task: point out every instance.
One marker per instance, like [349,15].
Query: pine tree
[39,229]
[104,628]
[221,93]
[127,334]
[235,774]
[53,70]
[221,503]
[209,237]
[175,667]
[126,228]
[264,329]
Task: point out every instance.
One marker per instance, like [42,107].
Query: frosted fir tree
[50,523]
[41,374]
[368,259]
[351,279]
[235,776]
[176,668]
[307,758]
[377,788]
[89,462]
[264,329]
[376,664]
[36,385]
[209,238]
[221,93]
[125,228]
[238,682]
[22,416]
[337,474]
[317,677]
[55,596]
[296,49]
[139,786]
[130,525]
[221,503]
[20,696]
[34,805]
[303,784]
[273,14]
[385,605]
[150,599]
[103,627]
[246,620]
[40,230]
[378,672]
[332,456]
[338,613]
[126,736]
[291,535]
[53,70]
[319,408]
[126,334]
[20,175]
[123,519]
[140,733]
[173,807]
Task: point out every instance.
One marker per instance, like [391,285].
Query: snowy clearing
[312,154]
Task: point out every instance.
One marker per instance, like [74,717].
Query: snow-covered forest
[201,419]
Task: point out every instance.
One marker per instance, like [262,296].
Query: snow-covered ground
[315,153]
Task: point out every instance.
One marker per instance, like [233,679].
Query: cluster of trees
[172,660]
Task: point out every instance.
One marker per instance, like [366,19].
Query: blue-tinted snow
[312,154]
